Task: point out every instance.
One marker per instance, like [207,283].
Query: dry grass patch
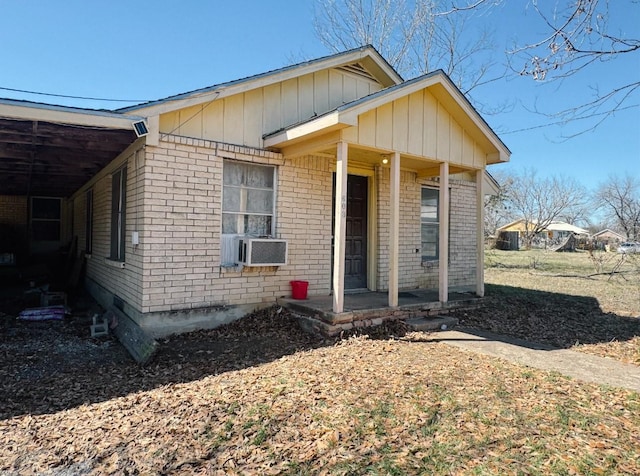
[555,298]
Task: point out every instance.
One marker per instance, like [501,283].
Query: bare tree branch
[578,37]
[539,201]
[419,36]
[620,198]
[412,35]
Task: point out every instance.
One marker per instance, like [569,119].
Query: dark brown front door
[355,255]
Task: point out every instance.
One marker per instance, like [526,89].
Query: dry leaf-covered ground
[550,298]
[261,397]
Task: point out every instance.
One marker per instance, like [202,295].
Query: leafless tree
[619,197]
[418,36]
[412,35]
[539,201]
[578,213]
[496,210]
[578,36]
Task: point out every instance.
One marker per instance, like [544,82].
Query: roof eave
[324,123]
[348,114]
[20,110]
[502,153]
[388,77]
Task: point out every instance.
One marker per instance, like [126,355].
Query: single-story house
[555,230]
[608,237]
[334,171]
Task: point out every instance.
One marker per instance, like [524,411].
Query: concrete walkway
[578,365]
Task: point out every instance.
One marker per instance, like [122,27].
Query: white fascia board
[503,154]
[170,105]
[261,80]
[324,122]
[491,187]
[350,114]
[71,116]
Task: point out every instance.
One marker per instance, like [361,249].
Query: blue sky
[153,49]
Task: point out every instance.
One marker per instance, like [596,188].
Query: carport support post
[340,224]
[480,233]
[443,232]
[394,230]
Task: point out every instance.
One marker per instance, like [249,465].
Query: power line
[72,97]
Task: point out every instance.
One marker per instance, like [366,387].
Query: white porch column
[443,233]
[340,225]
[394,230]
[480,233]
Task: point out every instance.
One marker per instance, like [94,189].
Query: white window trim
[436,223]
[228,251]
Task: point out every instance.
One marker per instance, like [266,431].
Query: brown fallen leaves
[280,402]
[599,317]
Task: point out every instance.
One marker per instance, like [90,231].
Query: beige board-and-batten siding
[419,125]
[245,117]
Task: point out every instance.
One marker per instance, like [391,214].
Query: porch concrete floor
[370,305]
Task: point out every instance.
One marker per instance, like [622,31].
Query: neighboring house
[519,225]
[608,237]
[334,171]
[555,230]
[559,230]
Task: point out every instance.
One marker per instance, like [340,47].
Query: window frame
[432,223]
[118,214]
[38,219]
[243,214]
[88,231]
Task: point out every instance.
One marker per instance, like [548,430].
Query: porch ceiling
[423,167]
[53,159]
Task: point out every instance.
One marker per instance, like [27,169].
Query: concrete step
[432,323]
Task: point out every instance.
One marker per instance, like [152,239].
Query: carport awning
[52,151]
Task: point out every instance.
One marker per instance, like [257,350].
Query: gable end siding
[244,118]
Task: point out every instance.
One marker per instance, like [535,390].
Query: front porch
[371,308]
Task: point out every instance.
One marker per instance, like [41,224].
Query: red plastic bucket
[299,289]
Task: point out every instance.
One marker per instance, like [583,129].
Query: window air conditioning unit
[262,252]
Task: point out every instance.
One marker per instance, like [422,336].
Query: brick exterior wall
[13,210]
[174,202]
[13,224]
[463,248]
[413,273]
[123,282]
[180,230]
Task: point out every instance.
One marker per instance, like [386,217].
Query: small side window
[88,232]
[118,213]
[430,224]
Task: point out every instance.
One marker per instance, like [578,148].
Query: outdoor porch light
[385,159]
